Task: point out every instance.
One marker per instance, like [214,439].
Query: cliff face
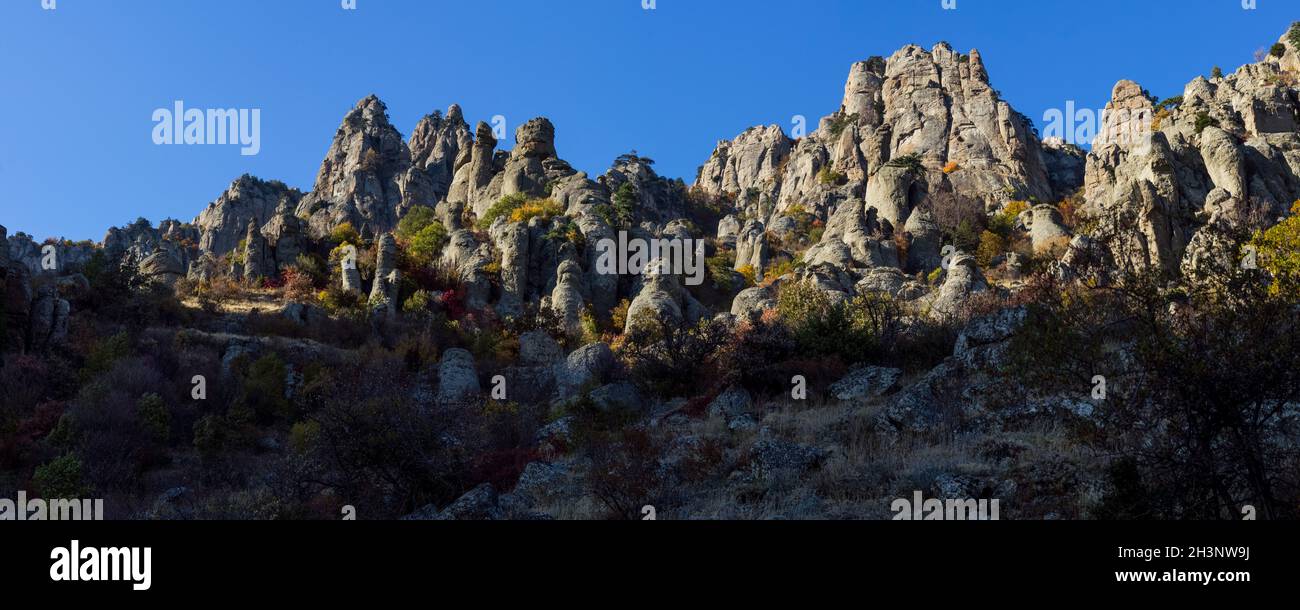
[937,105]
[920,138]
[1221,160]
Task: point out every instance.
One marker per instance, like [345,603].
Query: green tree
[1278,253]
[427,244]
[625,201]
[154,417]
[61,478]
[415,221]
[264,389]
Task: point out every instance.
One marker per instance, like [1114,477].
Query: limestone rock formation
[1217,160]
[388,279]
[224,223]
[457,377]
[441,145]
[367,177]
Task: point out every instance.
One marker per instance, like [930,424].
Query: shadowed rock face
[441,145]
[367,177]
[937,105]
[225,221]
[1216,162]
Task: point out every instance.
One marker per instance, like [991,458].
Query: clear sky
[80,83]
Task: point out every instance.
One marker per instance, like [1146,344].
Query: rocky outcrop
[663,298]
[440,146]
[285,238]
[753,160]
[163,267]
[937,105]
[1047,230]
[254,264]
[751,248]
[584,367]
[457,378]
[866,383]
[536,348]
[471,260]
[752,300]
[367,177]
[962,279]
[566,300]
[50,315]
[1216,161]
[388,279]
[925,242]
[224,223]
[469,185]
[68,256]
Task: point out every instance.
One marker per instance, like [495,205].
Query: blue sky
[81,82]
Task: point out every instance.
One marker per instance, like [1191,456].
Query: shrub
[618,317]
[1278,50]
[503,207]
[624,205]
[750,275]
[298,286]
[966,237]
[1204,120]
[545,209]
[1202,385]
[910,162]
[669,359]
[854,330]
[340,302]
[991,246]
[345,233]
[210,434]
[1278,253]
[839,122]
[105,353]
[61,479]
[427,244]
[419,302]
[415,220]
[720,268]
[303,436]
[154,417]
[830,177]
[264,389]
[1004,223]
[1216,72]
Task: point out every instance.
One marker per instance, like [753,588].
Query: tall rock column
[383,294]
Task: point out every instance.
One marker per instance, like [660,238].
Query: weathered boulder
[620,396]
[585,366]
[751,300]
[536,348]
[457,377]
[865,383]
[1047,231]
[962,280]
